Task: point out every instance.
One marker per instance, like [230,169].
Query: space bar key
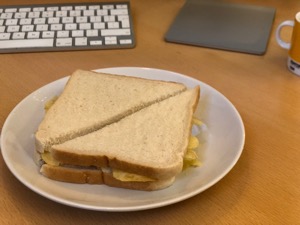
[28,43]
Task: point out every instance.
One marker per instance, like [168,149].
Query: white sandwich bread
[90,135]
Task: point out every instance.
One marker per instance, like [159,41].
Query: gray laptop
[221,25]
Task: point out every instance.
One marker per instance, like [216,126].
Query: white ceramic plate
[223,139]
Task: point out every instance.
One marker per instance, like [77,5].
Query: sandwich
[140,145]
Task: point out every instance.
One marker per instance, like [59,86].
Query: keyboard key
[42,27]
[125,23]
[56,27]
[115,32]
[92,33]
[108,7]
[52,20]
[38,9]
[6,15]
[33,35]
[11,22]
[99,25]
[25,21]
[96,42]
[66,8]
[110,40]
[39,21]
[18,35]
[71,26]
[55,8]
[61,14]
[11,10]
[94,7]
[102,12]
[88,12]
[24,9]
[4,36]
[85,26]
[94,19]
[26,28]
[13,28]
[81,19]
[34,14]
[77,33]
[126,41]
[80,7]
[75,13]
[63,42]
[113,25]
[118,12]
[20,15]
[63,33]
[121,6]
[109,18]
[82,41]
[123,17]
[48,34]
[47,14]
[68,20]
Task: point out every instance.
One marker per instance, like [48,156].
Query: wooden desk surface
[263,187]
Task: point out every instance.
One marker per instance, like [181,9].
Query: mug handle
[282,43]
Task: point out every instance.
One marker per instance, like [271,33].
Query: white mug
[293,46]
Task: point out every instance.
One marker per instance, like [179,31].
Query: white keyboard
[66,27]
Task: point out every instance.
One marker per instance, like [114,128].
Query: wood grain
[263,187]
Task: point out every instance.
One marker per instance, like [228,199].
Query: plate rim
[122,208]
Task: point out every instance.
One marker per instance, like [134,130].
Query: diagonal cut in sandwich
[92,100]
[141,149]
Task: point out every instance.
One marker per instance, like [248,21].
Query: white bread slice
[98,176]
[73,175]
[92,100]
[151,142]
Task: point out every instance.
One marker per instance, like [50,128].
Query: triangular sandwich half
[93,100]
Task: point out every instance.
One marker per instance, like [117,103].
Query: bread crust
[97,176]
[142,186]
[70,158]
[71,175]
[196,100]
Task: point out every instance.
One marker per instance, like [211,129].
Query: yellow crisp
[47,157]
[193,143]
[197,121]
[190,158]
[49,103]
[130,177]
